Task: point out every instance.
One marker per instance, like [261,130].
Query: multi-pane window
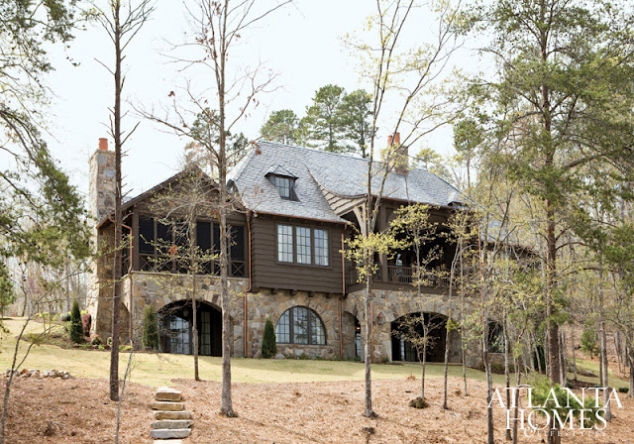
[303,245]
[285,243]
[321,247]
[300,325]
[164,246]
[283,186]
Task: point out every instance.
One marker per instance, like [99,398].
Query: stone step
[170,406]
[171,424]
[168,394]
[183,414]
[170,433]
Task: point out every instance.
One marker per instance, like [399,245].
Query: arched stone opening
[352,345]
[176,327]
[408,332]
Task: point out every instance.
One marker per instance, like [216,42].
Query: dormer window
[284,186]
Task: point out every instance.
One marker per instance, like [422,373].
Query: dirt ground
[79,411]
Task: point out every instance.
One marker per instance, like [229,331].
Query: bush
[150,337]
[589,341]
[418,403]
[76,327]
[269,347]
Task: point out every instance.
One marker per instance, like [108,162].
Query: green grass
[156,369]
[613,381]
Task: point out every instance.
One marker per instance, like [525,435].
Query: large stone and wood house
[297,208]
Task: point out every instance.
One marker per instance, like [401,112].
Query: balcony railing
[397,274]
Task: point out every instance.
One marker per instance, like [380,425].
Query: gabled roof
[279,170]
[167,183]
[342,175]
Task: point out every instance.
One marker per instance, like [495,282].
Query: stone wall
[161,289]
[337,314]
[268,305]
[389,305]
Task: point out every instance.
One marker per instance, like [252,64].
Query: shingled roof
[339,174]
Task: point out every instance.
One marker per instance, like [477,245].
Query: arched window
[300,325]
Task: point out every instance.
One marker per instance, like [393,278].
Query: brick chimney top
[103,144]
[401,152]
[395,139]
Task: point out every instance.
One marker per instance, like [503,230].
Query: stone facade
[267,305]
[161,289]
[390,305]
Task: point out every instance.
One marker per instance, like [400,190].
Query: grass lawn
[156,369]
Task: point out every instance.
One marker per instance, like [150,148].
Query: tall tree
[37,203]
[282,126]
[121,22]
[322,127]
[354,117]
[218,27]
[392,68]
[559,115]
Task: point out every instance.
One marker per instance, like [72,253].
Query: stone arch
[408,328]
[352,340]
[176,328]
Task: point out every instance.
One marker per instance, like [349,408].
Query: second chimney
[401,153]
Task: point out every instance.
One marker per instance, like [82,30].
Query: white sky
[301,43]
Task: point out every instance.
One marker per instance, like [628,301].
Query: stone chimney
[401,153]
[102,181]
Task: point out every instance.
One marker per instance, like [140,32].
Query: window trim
[291,333]
[292,196]
[312,245]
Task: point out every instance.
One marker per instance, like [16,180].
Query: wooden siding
[267,272]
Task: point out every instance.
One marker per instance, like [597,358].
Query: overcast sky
[301,43]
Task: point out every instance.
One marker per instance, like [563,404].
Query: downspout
[245,339]
[343,292]
[130,327]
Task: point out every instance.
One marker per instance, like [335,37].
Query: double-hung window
[303,245]
[285,243]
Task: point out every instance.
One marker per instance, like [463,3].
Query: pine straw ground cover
[78,411]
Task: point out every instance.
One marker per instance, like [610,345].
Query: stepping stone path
[172,421]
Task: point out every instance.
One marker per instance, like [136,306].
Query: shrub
[150,337]
[418,403]
[76,328]
[589,341]
[269,347]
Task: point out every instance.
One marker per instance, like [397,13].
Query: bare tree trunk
[604,351]
[118,220]
[574,357]
[507,374]
[194,270]
[446,372]
[562,356]
[516,404]
[368,413]
[226,406]
[630,358]
[423,366]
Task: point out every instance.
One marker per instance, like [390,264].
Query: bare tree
[217,28]
[413,74]
[192,198]
[121,22]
